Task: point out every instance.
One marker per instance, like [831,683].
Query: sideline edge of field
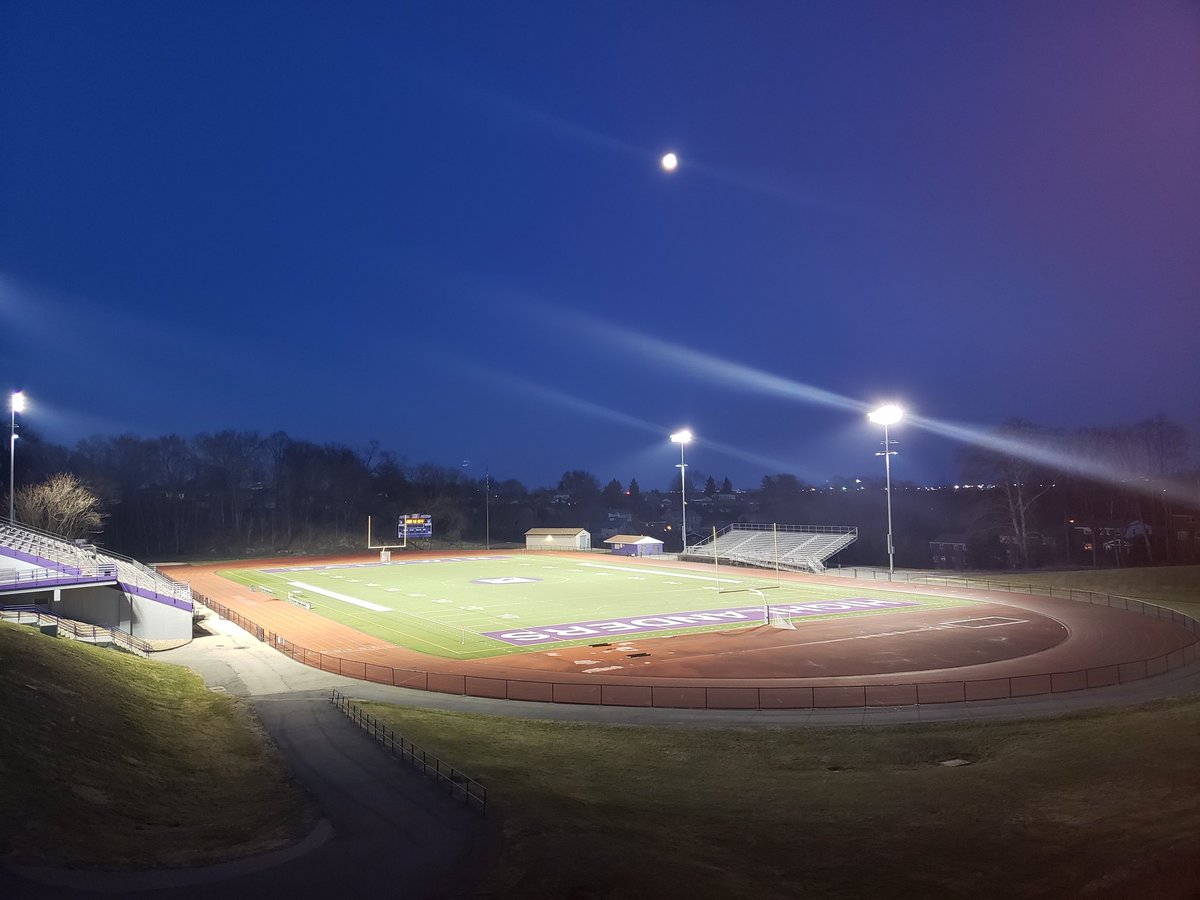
[411,630]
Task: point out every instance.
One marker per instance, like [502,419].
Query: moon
[670,162]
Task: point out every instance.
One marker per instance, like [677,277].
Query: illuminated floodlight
[670,162]
[886,415]
[682,438]
[17,403]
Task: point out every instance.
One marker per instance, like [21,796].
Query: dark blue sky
[443,225]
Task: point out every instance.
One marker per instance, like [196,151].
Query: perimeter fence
[1009,585]
[460,786]
[702,695]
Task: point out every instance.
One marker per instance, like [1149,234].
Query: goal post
[716,565]
[748,590]
[775,537]
[385,550]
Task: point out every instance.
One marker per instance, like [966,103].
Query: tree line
[1037,496]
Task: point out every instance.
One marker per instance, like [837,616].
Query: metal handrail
[36,576]
[460,786]
[811,529]
[117,636]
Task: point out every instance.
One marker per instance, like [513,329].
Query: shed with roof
[558,539]
[635,545]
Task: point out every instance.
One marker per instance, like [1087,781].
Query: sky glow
[329,223]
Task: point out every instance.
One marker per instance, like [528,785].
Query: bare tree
[1020,481]
[231,462]
[62,504]
[1166,445]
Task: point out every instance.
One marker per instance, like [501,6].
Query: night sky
[444,226]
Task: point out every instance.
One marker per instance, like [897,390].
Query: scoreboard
[416,525]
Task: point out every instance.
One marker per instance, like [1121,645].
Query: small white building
[635,545]
[558,539]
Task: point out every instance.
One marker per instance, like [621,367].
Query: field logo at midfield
[738,615]
[505,579]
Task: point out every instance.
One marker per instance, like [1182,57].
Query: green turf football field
[447,607]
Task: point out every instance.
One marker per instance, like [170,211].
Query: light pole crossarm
[682,438]
[16,405]
[885,416]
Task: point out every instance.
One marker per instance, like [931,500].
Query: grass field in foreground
[444,606]
[1176,587]
[1103,805]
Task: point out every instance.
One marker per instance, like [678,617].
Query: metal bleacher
[57,555]
[798,547]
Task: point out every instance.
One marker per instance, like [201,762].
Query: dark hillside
[112,761]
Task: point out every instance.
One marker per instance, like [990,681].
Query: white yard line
[672,574]
[966,623]
[374,607]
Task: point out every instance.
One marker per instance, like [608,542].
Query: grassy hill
[112,761]
[105,755]
[1102,805]
[1177,587]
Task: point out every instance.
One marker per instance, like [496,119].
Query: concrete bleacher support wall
[105,606]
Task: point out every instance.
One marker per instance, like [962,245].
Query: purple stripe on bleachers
[73,572]
[155,596]
[57,579]
[13,553]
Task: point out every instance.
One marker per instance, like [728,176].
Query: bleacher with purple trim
[51,560]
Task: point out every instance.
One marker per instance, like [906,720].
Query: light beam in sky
[595,410]
[710,368]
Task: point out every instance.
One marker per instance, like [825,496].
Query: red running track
[1009,645]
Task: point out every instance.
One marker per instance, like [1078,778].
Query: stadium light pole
[17,404]
[682,438]
[885,416]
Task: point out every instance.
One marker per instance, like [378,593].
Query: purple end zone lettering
[660,622]
[570,631]
[614,626]
[642,624]
[521,637]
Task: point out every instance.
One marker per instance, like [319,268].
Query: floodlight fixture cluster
[682,437]
[888,414]
[17,405]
